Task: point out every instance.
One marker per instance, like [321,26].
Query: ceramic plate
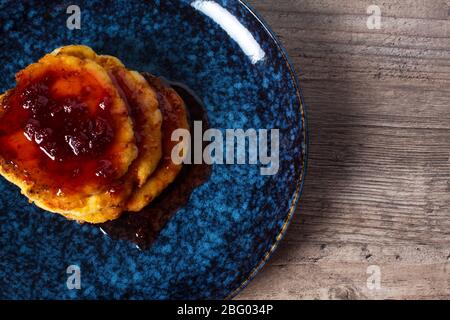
[224,234]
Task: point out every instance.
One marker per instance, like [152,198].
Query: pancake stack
[85,137]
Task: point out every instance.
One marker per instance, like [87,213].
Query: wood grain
[378,185]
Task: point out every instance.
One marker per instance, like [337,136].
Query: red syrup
[143,228]
[68,135]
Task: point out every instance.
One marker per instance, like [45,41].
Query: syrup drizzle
[143,228]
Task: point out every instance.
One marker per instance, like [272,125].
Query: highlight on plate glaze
[233,27]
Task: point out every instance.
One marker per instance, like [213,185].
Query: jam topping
[59,121]
[63,128]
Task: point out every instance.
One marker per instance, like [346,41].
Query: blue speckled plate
[213,246]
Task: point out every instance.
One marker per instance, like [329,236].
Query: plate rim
[301,179]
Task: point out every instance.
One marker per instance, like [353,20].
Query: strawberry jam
[58,125]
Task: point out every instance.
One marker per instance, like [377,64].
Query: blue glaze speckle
[211,247]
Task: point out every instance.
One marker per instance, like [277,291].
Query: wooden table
[378,186]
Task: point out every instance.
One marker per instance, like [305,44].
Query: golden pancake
[143,105]
[67,139]
[83,136]
[174,117]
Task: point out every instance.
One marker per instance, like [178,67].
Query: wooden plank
[378,186]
